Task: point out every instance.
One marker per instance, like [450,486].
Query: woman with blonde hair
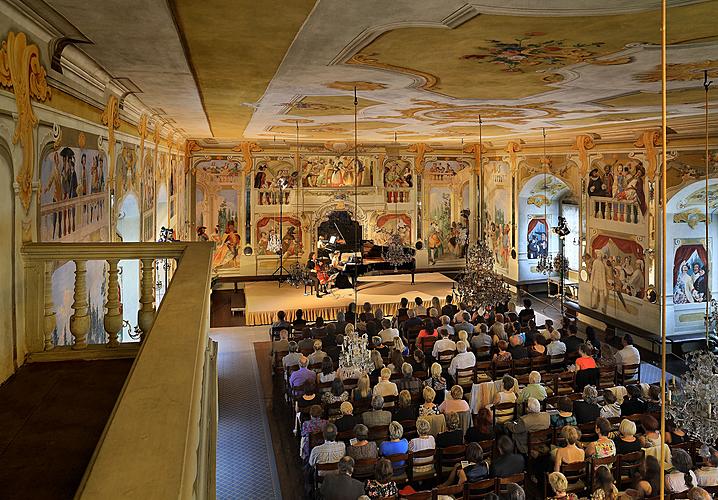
[570,453]
[378,363]
[559,485]
[362,392]
[424,441]
[434,317]
[435,303]
[456,404]
[347,420]
[436,382]
[428,408]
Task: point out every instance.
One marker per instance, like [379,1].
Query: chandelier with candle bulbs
[691,401]
[478,284]
[394,251]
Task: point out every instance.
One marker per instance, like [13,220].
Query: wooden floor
[51,418]
[220,314]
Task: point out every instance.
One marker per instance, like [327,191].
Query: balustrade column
[49,319]
[80,320]
[113,316]
[146,314]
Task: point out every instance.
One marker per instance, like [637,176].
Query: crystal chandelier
[712,325]
[355,355]
[690,402]
[274,245]
[560,262]
[394,252]
[478,284]
[297,275]
[545,264]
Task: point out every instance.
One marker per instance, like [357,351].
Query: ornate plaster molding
[247,149]
[420,149]
[21,71]
[649,140]
[111,118]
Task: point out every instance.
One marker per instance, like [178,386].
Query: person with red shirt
[427,331]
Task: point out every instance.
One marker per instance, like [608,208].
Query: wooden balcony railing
[160,439]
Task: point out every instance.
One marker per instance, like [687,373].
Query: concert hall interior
[322,249]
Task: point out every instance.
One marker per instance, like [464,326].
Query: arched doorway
[691,280]
[540,204]
[7,274]
[128,229]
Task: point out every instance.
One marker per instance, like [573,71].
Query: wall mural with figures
[690,272]
[337,171]
[616,186]
[73,199]
[127,178]
[271,242]
[497,217]
[389,223]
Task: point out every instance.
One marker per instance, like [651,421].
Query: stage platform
[264,299]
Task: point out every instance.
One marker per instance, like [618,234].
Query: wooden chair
[332,409]
[320,470]
[350,384]
[588,432]
[606,377]
[345,436]
[630,374]
[577,477]
[557,362]
[538,441]
[501,482]
[479,489]
[390,401]
[628,465]
[596,463]
[541,364]
[444,357]
[455,491]
[420,460]
[483,353]
[501,369]
[523,379]
[324,387]
[419,495]
[378,433]
[399,462]
[315,439]
[503,412]
[465,378]
[488,447]
[427,345]
[317,367]
[277,366]
[483,367]
[364,468]
[563,383]
[448,457]
[409,429]
[520,366]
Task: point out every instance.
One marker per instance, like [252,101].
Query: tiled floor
[245,460]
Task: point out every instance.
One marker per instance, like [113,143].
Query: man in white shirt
[555,346]
[444,343]
[330,452]
[292,359]
[629,355]
[462,360]
[388,333]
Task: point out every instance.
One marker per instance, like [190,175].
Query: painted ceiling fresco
[423,69]
[430,72]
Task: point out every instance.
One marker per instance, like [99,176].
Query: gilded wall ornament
[111,118]
[247,149]
[649,140]
[21,70]
[420,149]
[584,143]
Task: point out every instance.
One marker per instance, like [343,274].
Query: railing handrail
[149,448]
[102,251]
[49,207]
[612,200]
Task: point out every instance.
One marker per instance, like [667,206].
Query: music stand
[282,183]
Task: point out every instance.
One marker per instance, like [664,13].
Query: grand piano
[370,262]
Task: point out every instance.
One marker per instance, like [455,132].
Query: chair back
[557,362]
[586,377]
[324,386]
[420,460]
[606,376]
[576,475]
[399,463]
[483,368]
[628,465]
[427,344]
[419,495]
[540,364]
[465,419]
[390,401]
[364,468]
[315,439]
[503,412]
[521,366]
[444,357]
[489,447]
[345,436]
[409,429]
[448,457]
[379,433]
[456,491]
[501,368]
[539,439]
[465,377]
[629,374]
[479,489]
[563,383]
[588,432]
[501,482]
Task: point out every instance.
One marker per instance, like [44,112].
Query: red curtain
[625,246]
[534,222]
[683,253]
